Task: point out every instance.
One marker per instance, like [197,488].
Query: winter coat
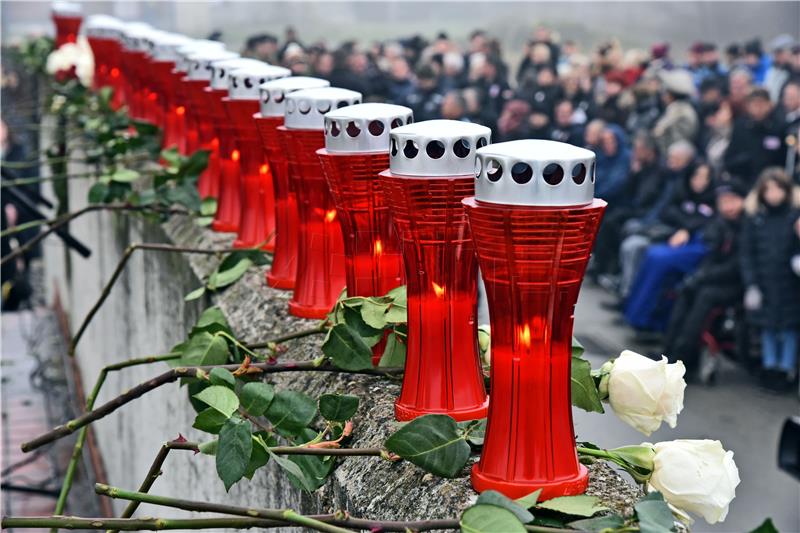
[612,170]
[687,209]
[755,146]
[721,265]
[678,123]
[768,243]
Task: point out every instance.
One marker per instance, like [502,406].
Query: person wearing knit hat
[679,120]
[716,283]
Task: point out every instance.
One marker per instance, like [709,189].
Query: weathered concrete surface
[146,314]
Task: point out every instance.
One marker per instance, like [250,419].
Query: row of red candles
[305,199]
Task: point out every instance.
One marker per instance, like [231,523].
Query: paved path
[736,411]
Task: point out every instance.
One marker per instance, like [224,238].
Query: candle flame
[180,110]
[235,155]
[525,336]
[378,247]
[263,169]
[115,72]
[152,97]
[330,215]
[438,290]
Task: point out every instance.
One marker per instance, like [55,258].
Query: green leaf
[204,348]
[234,450]
[220,376]
[258,458]
[370,335]
[125,175]
[171,156]
[291,411]
[581,505]
[347,349]
[315,468]
[584,391]
[529,501]
[256,397]
[212,320]
[195,386]
[210,420]
[185,195]
[433,443]
[291,468]
[490,519]
[654,514]
[373,312]
[208,207]
[473,431]
[203,221]
[577,348]
[338,408]
[220,398]
[208,448]
[399,296]
[195,294]
[599,524]
[394,353]
[98,192]
[766,527]
[230,269]
[195,164]
[492,497]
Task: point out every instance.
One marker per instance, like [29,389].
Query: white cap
[436,148]
[133,35]
[305,109]
[220,69]
[182,63]
[273,93]
[363,128]
[535,172]
[243,82]
[200,62]
[103,27]
[164,46]
[67,9]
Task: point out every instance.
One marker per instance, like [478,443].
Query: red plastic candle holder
[320,259]
[272,107]
[356,152]
[534,221]
[431,168]
[103,33]
[257,221]
[67,18]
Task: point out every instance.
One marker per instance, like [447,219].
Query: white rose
[698,476]
[644,393]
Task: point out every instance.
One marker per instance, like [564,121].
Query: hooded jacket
[612,170]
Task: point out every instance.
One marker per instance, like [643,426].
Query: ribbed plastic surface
[229,202]
[200,120]
[443,372]
[320,258]
[373,264]
[67,28]
[283,271]
[257,219]
[532,260]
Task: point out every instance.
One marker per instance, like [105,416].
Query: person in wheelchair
[716,283]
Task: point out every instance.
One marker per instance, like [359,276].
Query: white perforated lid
[103,27]
[273,93]
[200,62]
[133,35]
[67,9]
[436,148]
[221,68]
[363,128]
[243,82]
[535,172]
[184,51]
[164,46]
[306,108]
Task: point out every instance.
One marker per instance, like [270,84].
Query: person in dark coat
[613,163]
[771,274]
[715,283]
[664,265]
[757,141]
[564,130]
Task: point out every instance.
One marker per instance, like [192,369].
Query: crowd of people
[697,159]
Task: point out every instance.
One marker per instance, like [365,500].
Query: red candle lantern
[356,151]
[431,170]
[273,106]
[198,77]
[134,66]
[320,250]
[67,17]
[257,221]
[229,201]
[534,220]
[103,33]
[160,94]
[184,119]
